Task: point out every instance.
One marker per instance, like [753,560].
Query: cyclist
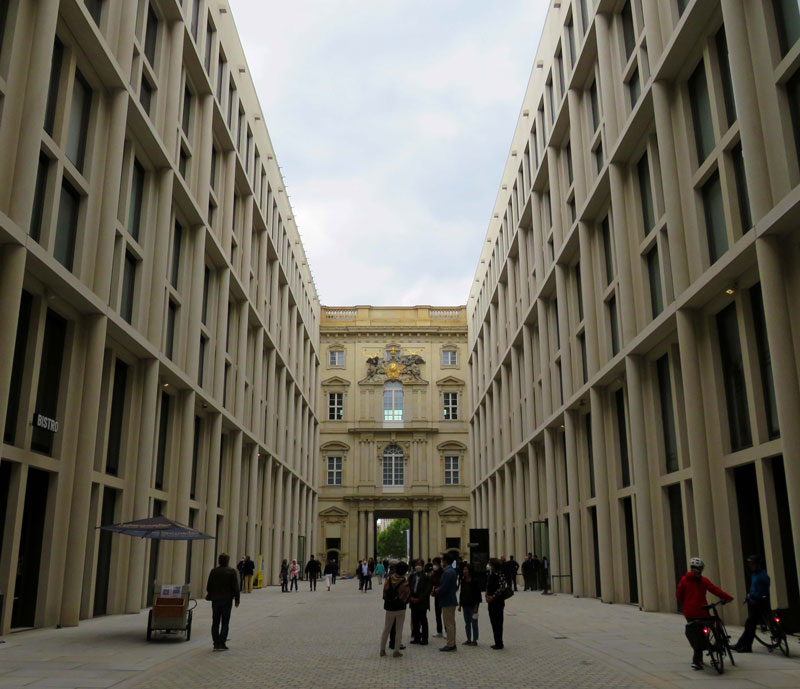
[691,594]
[757,603]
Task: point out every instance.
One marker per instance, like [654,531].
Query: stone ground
[331,639]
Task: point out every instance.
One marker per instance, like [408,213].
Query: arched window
[393,466]
[393,402]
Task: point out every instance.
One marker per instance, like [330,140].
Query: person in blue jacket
[446,595]
[757,603]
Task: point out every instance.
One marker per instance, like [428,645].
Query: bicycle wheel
[716,652]
[778,637]
[726,641]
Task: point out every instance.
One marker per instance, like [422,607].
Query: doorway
[26,587]
[103,572]
[393,536]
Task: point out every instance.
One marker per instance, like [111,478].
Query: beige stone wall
[633,403]
[214,327]
[348,511]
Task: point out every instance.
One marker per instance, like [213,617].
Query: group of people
[454,587]
[290,573]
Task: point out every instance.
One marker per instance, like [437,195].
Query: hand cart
[170,615]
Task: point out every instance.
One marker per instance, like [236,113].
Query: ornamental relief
[394,366]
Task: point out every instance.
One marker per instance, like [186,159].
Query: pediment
[333,511]
[453,511]
[450,381]
[335,381]
[334,445]
[451,445]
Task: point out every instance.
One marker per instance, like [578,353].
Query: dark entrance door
[152,571]
[402,535]
[26,587]
[104,553]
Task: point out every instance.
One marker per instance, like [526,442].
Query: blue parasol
[157,527]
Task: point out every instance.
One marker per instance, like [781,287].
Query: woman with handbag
[468,600]
[496,594]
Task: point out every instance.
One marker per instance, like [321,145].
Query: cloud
[392,122]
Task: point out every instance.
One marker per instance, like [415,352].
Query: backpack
[504,592]
[395,598]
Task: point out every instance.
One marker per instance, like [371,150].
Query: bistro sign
[45,423]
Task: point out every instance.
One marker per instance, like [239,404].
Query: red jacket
[691,593]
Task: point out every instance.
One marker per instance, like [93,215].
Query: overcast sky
[392,121]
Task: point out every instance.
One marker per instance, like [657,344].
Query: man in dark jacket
[436,577]
[446,595]
[512,567]
[420,585]
[248,570]
[527,572]
[222,590]
[312,572]
[537,569]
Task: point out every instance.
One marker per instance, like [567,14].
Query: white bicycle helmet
[697,562]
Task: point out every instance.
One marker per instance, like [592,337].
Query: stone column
[603,500]
[552,502]
[78,517]
[252,506]
[277,522]
[234,495]
[296,516]
[530,386]
[425,536]
[493,545]
[575,530]
[622,254]
[533,478]
[12,274]
[644,514]
[267,522]
[212,490]
[415,536]
[509,514]
[371,551]
[184,482]
[361,547]
[519,508]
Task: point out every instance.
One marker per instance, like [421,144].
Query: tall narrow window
[128,286]
[393,402]
[667,414]
[450,406]
[39,197]
[787,21]
[335,406]
[594,104]
[206,281]
[175,265]
[47,393]
[334,471]
[209,47]
[716,233]
[701,113]
[613,325]
[741,188]
[608,250]
[79,120]
[146,95]
[18,369]
[733,378]
[587,421]
[198,426]
[764,362]
[451,477]
[622,437]
[3,20]
[634,88]
[52,89]
[725,73]
[449,357]
[136,198]
[116,418]
[646,194]
[186,119]
[568,156]
[161,453]
[579,290]
[628,31]
[584,363]
[571,40]
[393,466]
[150,36]
[169,345]
[195,19]
[654,275]
[201,364]
[793,92]
[95,8]
[67,226]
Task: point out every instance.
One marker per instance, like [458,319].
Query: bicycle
[771,624]
[718,639]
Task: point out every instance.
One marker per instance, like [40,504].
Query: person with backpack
[497,590]
[395,596]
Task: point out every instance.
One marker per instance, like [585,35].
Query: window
[150,36]
[137,195]
[393,402]
[568,156]
[701,113]
[741,188]
[451,477]
[715,218]
[334,471]
[787,21]
[733,378]
[201,364]
[3,19]
[449,357]
[95,8]
[79,120]
[39,197]
[47,393]
[183,162]
[793,92]
[146,95]
[584,363]
[682,5]
[587,425]
[667,414]
[725,73]
[18,368]
[186,119]
[764,362]
[393,466]
[195,19]
[198,427]
[450,406]
[654,274]
[220,76]
[622,437]
[128,285]
[595,106]
[646,194]
[608,250]
[161,453]
[175,265]
[169,345]
[206,281]
[571,40]
[209,47]
[634,88]
[628,31]
[336,358]
[67,226]
[584,16]
[613,325]
[335,406]
[579,289]
[52,89]
[116,418]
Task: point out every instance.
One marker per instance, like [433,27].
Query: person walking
[240,569]
[366,576]
[446,594]
[248,569]
[469,599]
[294,574]
[436,577]
[284,577]
[312,572]
[380,570]
[395,595]
[495,600]
[222,589]
[544,570]
[512,567]
[335,571]
[329,570]
[757,603]
[537,571]
[527,572]
[360,575]
[419,603]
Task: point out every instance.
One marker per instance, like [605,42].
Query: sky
[392,121]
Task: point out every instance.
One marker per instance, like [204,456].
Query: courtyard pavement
[331,639]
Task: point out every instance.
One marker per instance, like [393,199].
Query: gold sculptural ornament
[393,370]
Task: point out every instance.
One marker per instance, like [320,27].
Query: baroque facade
[158,321]
[393,431]
[633,345]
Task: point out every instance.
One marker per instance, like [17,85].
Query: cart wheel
[149,625]
[189,626]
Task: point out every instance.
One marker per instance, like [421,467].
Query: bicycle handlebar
[714,605]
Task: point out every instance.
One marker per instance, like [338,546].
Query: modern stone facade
[393,430]
[155,304]
[633,344]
